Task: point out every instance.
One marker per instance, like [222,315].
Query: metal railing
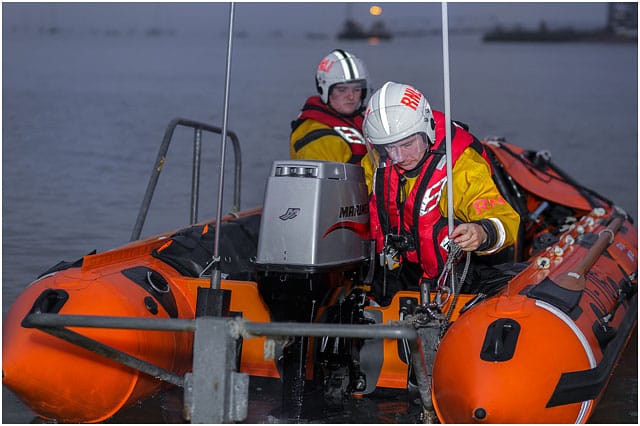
[214,392]
[195,175]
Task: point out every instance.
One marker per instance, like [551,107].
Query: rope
[455,252]
[270,346]
[611,233]
[457,292]
[237,329]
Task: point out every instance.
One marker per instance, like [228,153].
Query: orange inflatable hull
[537,352]
[64,382]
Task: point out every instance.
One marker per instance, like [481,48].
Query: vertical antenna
[215,272]
[447,114]
[447,120]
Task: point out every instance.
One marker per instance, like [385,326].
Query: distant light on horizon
[375,10]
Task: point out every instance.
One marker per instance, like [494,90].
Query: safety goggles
[346,88]
[407,148]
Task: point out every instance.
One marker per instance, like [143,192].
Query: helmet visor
[355,88]
[407,151]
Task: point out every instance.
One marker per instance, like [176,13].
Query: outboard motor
[315,218]
[312,249]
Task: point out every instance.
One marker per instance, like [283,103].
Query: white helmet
[340,66]
[395,112]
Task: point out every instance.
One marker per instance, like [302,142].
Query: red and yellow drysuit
[416,201]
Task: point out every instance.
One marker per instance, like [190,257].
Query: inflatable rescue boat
[534,342]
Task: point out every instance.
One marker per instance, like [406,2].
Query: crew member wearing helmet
[408,206]
[329,126]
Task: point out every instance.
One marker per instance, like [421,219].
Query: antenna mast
[215,272]
[447,114]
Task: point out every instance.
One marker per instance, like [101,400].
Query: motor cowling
[315,217]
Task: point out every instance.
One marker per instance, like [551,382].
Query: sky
[319,17]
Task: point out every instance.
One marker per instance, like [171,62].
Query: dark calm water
[83,117]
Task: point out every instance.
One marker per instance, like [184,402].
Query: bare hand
[469,236]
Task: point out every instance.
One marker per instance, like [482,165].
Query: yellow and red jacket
[320,133]
[418,205]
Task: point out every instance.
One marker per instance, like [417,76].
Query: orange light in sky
[375,10]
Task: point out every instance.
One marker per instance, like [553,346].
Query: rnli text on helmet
[325,65]
[411,98]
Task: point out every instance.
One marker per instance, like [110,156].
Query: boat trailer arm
[214,397]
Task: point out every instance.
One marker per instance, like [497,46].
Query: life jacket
[348,128]
[418,216]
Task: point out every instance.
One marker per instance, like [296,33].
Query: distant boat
[352,30]
[542,34]
[622,27]
[379,30]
